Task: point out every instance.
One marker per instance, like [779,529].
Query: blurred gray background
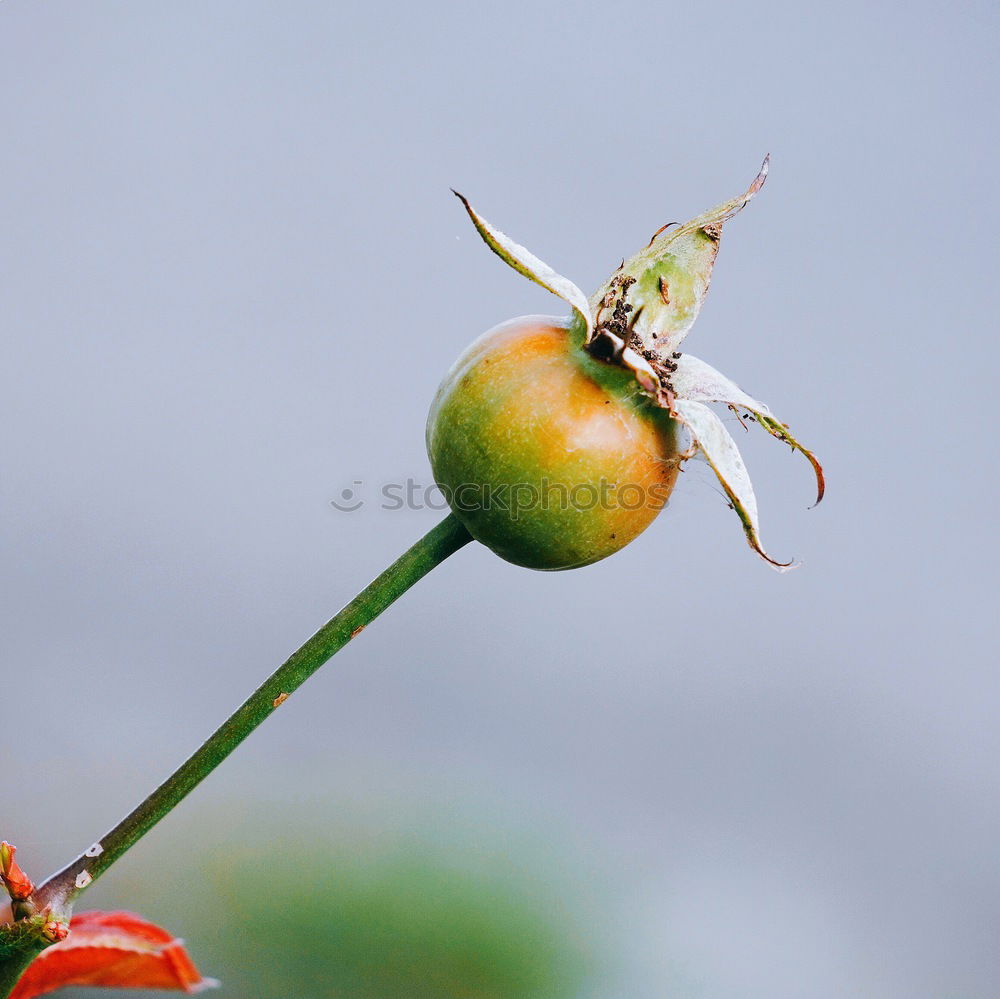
[231,277]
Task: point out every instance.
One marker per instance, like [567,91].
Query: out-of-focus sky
[231,277]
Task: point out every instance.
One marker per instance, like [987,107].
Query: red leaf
[115,949]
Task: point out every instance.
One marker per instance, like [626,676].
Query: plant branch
[442,541]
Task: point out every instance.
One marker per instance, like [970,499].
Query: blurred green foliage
[407,925]
[366,919]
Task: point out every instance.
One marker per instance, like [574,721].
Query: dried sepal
[666,282]
[525,262]
[722,213]
[698,381]
[721,452]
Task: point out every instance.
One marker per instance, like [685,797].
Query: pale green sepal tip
[672,273]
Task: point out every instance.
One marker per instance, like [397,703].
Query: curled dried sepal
[526,263]
[114,950]
[17,883]
[667,280]
[695,380]
[721,452]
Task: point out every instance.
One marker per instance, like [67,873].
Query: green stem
[431,550]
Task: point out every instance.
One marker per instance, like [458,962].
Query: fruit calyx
[638,319]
